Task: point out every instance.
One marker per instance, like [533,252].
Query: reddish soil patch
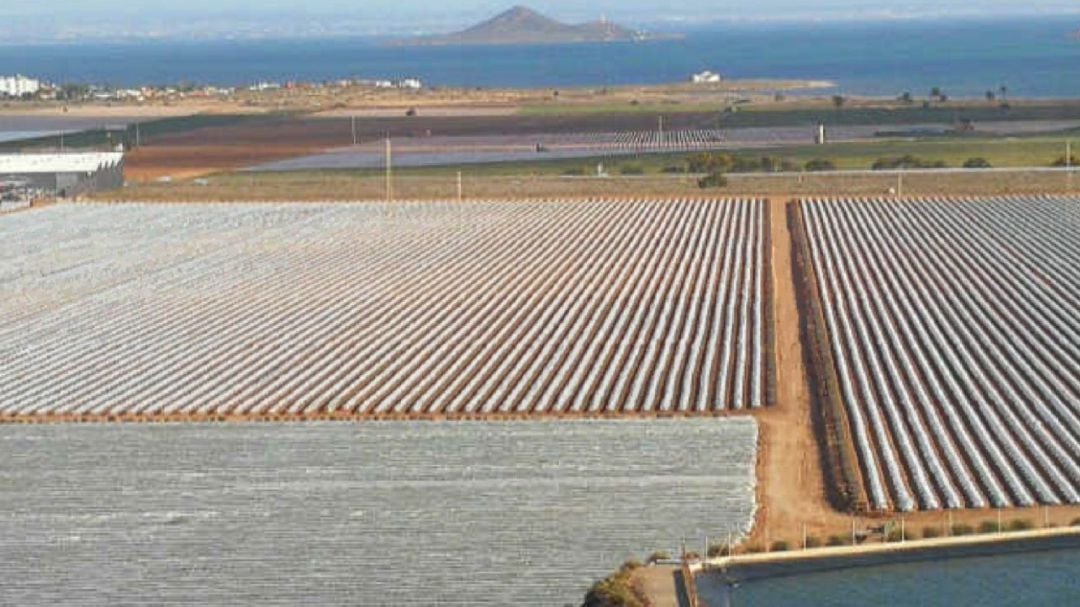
[271,138]
[186,161]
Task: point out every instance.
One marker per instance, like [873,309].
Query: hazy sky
[401,10]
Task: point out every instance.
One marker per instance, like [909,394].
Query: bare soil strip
[791,487]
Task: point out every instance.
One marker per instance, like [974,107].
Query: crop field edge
[843,477]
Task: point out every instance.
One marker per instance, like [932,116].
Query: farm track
[954,331]
[412,311]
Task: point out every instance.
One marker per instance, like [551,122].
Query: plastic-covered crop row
[953,327]
[529,308]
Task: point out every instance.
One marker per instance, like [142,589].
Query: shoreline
[447,100]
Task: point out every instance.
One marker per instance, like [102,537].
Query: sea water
[1032,57]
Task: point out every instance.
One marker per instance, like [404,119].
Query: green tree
[962,529]
[715,179]
[658,556]
[718,550]
[708,162]
[837,540]
[819,164]
[1020,524]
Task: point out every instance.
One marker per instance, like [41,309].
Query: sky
[95,19]
[404,9]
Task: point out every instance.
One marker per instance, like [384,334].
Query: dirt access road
[791,490]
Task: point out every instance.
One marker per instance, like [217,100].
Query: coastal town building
[18,85]
[706,77]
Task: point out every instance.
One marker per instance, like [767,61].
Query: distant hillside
[521,25]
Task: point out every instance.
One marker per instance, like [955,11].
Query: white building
[18,85]
[705,77]
[411,83]
[65,175]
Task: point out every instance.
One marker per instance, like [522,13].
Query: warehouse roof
[25,164]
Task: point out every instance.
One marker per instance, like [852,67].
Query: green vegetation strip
[1021,152]
[770,312]
[845,484]
[775,115]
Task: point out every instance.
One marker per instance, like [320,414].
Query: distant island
[522,25]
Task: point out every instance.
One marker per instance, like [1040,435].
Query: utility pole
[660,131]
[1068,165]
[900,184]
[138,137]
[355,140]
[460,188]
[389,170]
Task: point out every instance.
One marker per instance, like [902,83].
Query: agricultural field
[221,143]
[668,140]
[390,513]
[559,308]
[457,151]
[954,335]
